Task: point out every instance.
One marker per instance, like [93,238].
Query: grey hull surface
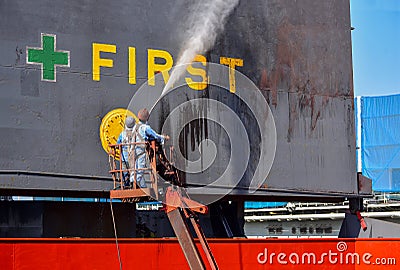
[297,53]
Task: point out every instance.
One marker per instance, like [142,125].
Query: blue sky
[376,46]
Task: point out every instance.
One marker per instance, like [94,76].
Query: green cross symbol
[47,57]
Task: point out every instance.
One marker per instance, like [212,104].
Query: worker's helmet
[143,115]
[129,122]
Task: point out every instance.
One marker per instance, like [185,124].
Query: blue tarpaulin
[380,141]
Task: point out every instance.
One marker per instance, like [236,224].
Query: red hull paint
[90,254]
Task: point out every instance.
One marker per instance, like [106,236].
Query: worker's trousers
[140,164]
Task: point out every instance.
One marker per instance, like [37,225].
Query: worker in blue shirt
[125,137]
[142,132]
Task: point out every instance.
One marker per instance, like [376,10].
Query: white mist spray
[207,20]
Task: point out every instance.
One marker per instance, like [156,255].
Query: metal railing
[122,171]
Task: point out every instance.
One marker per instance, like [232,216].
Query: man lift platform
[180,209]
